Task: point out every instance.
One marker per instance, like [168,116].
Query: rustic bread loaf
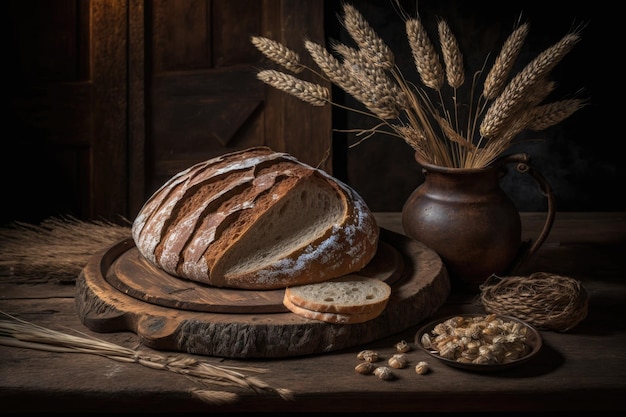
[256,219]
[349,294]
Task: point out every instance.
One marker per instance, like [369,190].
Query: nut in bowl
[479,342]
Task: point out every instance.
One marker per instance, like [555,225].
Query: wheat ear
[366,38]
[547,115]
[517,90]
[498,75]
[311,93]
[278,53]
[425,57]
[382,106]
[332,68]
[523,116]
[542,89]
[416,139]
[373,77]
[452,56]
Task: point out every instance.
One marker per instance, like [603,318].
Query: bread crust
[256,219]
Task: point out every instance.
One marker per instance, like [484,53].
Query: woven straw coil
[547,301]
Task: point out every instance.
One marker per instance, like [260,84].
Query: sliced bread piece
[350,294]
[335,318]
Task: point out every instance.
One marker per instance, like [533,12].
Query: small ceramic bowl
[532,340]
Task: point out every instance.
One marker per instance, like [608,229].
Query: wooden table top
[581,369]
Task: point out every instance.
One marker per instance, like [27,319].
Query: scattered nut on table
[397,361]
[384,372]
[368,355]
[365,368]
[422,367]
[402,346]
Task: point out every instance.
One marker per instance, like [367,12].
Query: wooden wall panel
[291,125]
[136,108]
[109,76]
[231,31]
[180,35]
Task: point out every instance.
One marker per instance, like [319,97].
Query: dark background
[581,158]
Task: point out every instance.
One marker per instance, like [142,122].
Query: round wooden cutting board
[132,274]
[118,290]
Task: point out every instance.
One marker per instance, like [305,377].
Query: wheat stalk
[425,57]
[373,82]
[311,93]
[366,38]
[19,333]
[548,115]
[452,56]
[381,105]
[278,53]
[498,75]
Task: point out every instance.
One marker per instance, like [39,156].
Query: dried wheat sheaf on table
[56,249]
[442,131]
[22,334]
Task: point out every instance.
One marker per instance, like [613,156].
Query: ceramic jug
[465,216]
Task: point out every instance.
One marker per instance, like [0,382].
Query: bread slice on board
[335,318]
[352,294]
[256,219]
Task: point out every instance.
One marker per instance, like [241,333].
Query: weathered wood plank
[136,108]
[292,125]
[108,187]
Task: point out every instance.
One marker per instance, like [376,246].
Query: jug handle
[524,167]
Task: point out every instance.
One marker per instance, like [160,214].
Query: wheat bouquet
[429,117]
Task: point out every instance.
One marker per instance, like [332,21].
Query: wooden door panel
[292,125]
[234,21]
[200,114]
[205,99]
[204,96]
[208,116]
[178,32]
